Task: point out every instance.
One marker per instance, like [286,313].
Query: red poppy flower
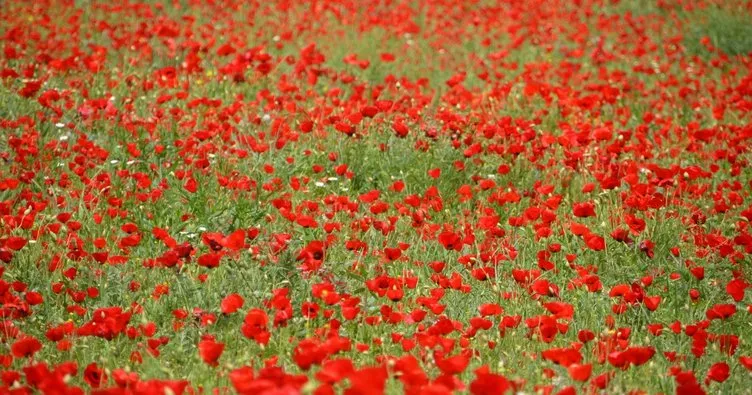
[25,347]
[580,372]
[94,375]
[210,351]
[255,326]
[720,311]
[735,288]
[719,372]
[487,383]
[231,303]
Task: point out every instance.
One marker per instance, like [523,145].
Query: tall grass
[728,28]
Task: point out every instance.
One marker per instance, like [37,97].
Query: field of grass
[367,197]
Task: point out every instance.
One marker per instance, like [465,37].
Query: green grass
[727,28]
[376,158]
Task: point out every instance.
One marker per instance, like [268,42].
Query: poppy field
[367,197]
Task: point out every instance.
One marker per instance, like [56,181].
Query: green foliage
[728,29]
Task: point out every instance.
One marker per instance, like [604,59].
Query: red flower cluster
[368,197]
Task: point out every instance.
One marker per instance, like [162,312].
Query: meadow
[367,197]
